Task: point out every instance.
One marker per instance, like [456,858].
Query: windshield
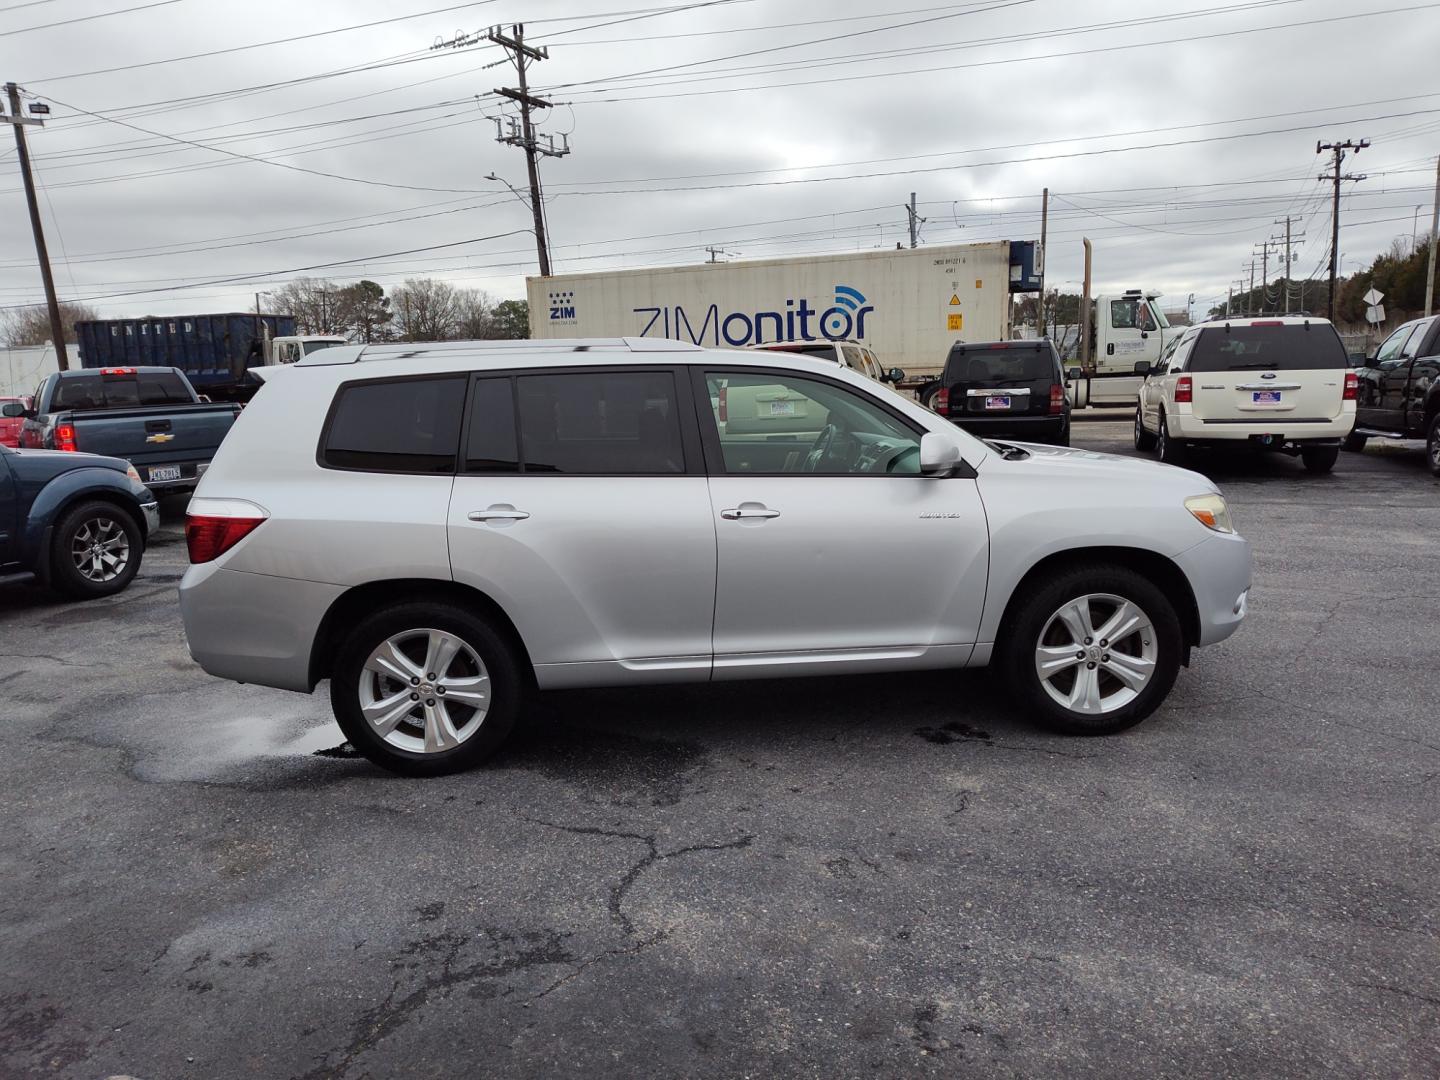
[1293,347]
[1159,315]
[316,346]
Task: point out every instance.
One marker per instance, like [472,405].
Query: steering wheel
[820,448]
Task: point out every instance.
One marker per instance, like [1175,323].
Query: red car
[10,426]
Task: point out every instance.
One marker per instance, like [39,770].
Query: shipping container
[909,306]
[214,351]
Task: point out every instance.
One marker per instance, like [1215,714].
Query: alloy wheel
[100,549]
[424,690]
[1096,653]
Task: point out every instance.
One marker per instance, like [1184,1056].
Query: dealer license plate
[161,473]
[1265,397]
[781,408]
[997,401]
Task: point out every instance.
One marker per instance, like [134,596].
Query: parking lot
[824,878]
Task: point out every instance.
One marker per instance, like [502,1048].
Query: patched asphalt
[833,877]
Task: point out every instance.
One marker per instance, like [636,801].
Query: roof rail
[397,350]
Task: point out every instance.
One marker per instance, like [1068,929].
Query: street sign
[1373,297]
[1375,313]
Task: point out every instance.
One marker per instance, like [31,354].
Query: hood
[1061,462]
[41,465]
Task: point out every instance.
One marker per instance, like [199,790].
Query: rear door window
[396,425]
[1292,347]
[600,423]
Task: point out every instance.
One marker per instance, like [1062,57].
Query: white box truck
[908,305]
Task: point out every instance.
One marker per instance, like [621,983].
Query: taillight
[723,408]
[1352,386]
[1184,389]
[941,401]
[1057,399]
[214,526]
[65,437]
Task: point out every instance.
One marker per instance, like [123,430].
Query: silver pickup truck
[150,416]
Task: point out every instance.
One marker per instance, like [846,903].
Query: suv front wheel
[425,688]
[1092,650]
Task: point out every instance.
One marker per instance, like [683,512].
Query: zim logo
[562,306]
[799,321]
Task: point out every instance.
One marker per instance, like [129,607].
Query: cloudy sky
[198,150]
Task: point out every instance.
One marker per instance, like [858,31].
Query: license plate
[997,401]
[161,473]
[1265,397]
[781,408]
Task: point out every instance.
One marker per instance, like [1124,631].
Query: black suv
[1006,389]
[1399,389]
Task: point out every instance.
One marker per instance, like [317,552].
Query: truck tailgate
[171,434]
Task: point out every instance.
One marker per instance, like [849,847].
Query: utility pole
[1044,221]
[1251,294]
[20,121]
[915,221]
[1337,151]
[521,134]
[1289,258]
[1434,230]
[1085,310]
[1264,272]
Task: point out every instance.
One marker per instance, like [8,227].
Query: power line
[88,18]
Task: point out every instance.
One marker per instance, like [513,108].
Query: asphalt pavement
[890,876]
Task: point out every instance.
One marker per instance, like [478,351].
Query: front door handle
[498,513]
[748,512]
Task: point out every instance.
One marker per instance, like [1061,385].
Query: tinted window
[1390,349]
[490,445]
[1025,363]
[581,422]
[402,425]
[163,388]
[1275,348]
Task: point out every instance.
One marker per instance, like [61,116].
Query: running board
[1373,433]
[22,577]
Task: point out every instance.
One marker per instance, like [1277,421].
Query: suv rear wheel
[1354,443]
[1170,451]
[96,551]
[425,688]
[1432,445]
[1320,459]
[1092,649]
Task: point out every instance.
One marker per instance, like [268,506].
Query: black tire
[77,569]
[1032,612]
[505,693]
[1320,459]
[1354,443]
[1432,445]
[1144,441]
[1170,451]
[1063,439]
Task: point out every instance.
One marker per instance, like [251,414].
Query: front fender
[64,490]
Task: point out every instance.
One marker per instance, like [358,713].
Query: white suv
[1275,383]
[848,354]
[438,529]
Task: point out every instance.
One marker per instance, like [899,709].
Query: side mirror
[1142,367]
[13,410]
[1073,373]
[894,375]
[938,455]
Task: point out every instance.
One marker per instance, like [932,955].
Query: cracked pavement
[832,877]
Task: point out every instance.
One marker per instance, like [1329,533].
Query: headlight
[131,472]
[1211,511]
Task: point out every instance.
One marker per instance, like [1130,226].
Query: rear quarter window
[395,425]
[987,365]
[1269,348]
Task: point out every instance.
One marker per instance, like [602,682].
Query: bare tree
[426,310]
[317,304]
[31,325]
[476,315]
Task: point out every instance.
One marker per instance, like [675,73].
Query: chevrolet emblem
[161,438]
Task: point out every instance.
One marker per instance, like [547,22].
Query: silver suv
[439,529]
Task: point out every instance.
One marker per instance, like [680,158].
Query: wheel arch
[1159,570]
[356,603]
[41,528]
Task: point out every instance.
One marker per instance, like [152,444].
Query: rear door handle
[748,513]
[498,513]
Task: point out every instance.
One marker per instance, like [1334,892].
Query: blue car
[75,522]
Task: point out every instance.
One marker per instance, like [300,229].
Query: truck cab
[1127,331]
[287,350]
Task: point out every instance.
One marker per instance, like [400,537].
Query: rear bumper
[1026,428]
[1218,569]
[1283,429]
[253,628]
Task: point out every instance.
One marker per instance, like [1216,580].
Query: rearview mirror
[12,410]
[894,375]
[938,455]
[1142,367]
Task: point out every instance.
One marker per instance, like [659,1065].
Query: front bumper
[151,512]
[1218,569]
